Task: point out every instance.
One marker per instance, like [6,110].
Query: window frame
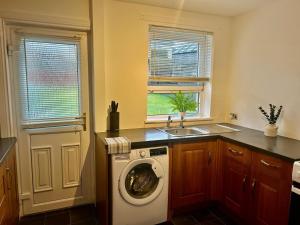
[204,90]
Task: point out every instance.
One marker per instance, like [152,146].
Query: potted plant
[271,128]
[182,103]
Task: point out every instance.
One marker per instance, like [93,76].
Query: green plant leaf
[183,102]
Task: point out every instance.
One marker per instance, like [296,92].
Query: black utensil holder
[113,121]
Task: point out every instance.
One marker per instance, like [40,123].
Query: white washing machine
[140,187]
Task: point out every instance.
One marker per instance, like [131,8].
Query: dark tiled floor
[81,215]
[85,215]
[204,217]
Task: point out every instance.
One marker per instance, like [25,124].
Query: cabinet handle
[253,185]
[4,184]
[9,178]
[244,182]
[235,152]
[209,157]
[269,164]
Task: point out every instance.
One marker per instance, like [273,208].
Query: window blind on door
[179,53]
[49,79]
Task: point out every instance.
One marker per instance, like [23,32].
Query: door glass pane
[49,79]
[141,181]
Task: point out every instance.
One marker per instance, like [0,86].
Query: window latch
[83,118]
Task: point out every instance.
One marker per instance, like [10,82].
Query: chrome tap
[169,121]
[181,122]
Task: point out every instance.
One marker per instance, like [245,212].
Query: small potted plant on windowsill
[271,128]
[182,103]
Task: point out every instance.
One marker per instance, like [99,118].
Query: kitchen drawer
[237,153]
[269,166]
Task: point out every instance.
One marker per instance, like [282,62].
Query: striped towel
[118,145]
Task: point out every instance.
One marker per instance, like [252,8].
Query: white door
[51,90]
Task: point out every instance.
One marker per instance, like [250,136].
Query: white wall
[125,53]
[266,65]
[98,57]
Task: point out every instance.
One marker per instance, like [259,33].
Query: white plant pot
[182,114]
[271,130]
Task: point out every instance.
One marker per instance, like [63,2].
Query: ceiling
[217,7]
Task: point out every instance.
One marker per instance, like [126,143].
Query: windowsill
[164,119]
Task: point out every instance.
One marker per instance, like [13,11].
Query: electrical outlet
[233,116]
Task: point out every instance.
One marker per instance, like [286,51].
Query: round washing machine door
[141,181]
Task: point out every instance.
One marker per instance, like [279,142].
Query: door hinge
[10,50]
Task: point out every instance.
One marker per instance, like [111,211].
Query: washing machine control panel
[158,151]
[148,152]
[142,153]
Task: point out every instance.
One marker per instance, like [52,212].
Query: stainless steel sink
[181,132]
[198,130]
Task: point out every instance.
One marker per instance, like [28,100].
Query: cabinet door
[13,192]
[3,200]
[270,190]
[236,176]
[191,172]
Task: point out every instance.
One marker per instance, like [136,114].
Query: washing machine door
[141,181]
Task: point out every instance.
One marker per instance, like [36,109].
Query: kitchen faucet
[181,122]
[169,122]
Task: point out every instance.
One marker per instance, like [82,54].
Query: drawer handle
[235,152]
[269,164]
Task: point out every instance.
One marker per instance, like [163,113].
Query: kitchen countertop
[6,145]
[281,147]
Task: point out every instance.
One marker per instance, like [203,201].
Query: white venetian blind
[49,79]
[179,53]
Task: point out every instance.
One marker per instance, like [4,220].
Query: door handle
[83,118]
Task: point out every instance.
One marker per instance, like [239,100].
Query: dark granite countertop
[281,147]
[6,145]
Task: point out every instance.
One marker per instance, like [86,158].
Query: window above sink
[178,60]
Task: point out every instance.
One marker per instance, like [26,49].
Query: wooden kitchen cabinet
[9,205]
[256,187]
[270,190]
[236,176]
[192,166]
[3,197]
